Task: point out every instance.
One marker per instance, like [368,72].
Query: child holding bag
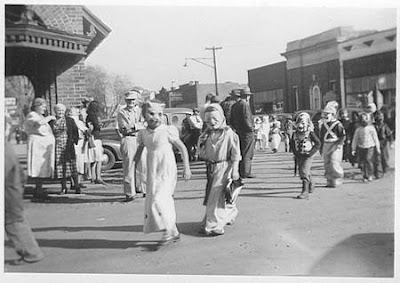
[219,147]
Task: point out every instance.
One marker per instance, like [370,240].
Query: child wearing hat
[304,144]
[332,137]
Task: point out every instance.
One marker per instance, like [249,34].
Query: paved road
[347,232]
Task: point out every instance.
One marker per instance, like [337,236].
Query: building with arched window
[350,66]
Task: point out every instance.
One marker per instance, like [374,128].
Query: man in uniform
[128,123]
[243,123]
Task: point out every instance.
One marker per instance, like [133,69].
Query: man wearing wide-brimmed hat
[128,123]
[332,137]
[228,102]
[242,122]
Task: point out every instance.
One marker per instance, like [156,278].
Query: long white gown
[161,178]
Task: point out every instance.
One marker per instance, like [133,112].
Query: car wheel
[108,159]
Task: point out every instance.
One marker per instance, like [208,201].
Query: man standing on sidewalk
[242,122]
[128,123]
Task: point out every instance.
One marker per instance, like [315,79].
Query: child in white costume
[219,147]
[332,135]
[264,131]
[161,178]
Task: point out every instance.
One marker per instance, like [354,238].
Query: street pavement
[342,232]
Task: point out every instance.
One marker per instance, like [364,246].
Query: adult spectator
[128,119]
[243,123]
[17,228]
[79,147]
[202,109]
[195,127]
[228,102]
[41,146]
[83,110]
[95,154]
[66,135]
[82,116]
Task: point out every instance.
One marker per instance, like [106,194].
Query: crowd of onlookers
[64,146]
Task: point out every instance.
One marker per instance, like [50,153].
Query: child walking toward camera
[158,139]
[366,142]
[304,144]
[385,136]
[219,147]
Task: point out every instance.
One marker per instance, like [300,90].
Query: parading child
[332,135]
[385,136]
[161,171]
[366,142]
[304,144]
[219,147]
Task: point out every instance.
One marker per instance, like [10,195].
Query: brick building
[193,94]
[349,66]
[48,44]
[269,95]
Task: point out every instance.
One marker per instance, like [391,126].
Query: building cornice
[94,20]
[25,35]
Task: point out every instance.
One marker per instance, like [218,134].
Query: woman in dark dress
[66,134]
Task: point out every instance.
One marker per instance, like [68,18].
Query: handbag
[232,190]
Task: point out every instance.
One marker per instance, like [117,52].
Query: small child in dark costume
[304,144]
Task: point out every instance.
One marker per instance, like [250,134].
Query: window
[333,85]
[296,97]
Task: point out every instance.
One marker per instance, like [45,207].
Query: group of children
[267,133]
[368,138]
[219,147]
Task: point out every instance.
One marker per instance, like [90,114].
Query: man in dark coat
[228,103]
[242,122]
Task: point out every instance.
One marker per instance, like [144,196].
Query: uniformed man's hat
[132,94]
[245,91]
[235,92]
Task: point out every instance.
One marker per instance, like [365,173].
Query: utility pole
[214,48]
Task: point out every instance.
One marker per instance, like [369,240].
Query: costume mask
[154,115]
[214,120]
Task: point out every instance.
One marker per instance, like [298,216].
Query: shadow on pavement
[271,194]
[98,244]
[129,228]
[187,228]
[366,255]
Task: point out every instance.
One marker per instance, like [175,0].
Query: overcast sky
[150,43]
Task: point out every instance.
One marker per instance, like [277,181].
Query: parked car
[111,140]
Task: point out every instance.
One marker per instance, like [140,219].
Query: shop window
[333,85]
